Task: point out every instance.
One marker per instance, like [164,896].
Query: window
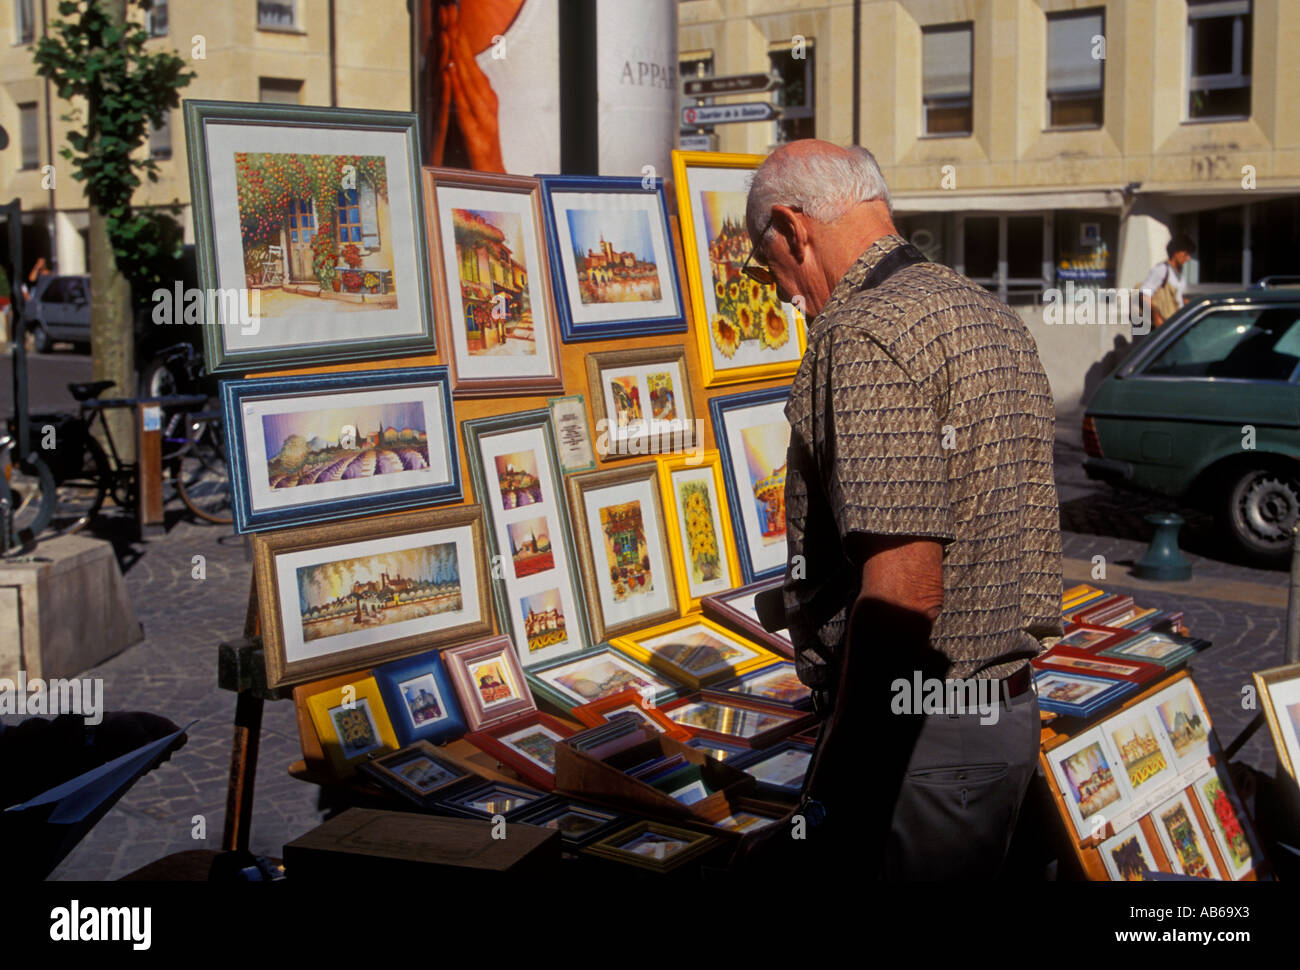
[794,65]
[696,64]
[160,139]
[277,90]
[1260,343]
[30,131]
[1074,73]
[302,221]
[24,21]
[349,216]
[1007,254]
[946,57]
[1218,59]
[155,20]
[277,14]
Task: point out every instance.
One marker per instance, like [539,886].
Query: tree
[92,53]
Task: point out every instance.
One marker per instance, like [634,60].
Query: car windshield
[1254,343]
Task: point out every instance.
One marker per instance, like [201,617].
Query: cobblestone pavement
[173,672]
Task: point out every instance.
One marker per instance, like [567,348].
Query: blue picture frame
[572,330]
[243,400]
[1112,691]
[719,409]
[391,676]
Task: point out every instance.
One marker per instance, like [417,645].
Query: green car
[1206,410]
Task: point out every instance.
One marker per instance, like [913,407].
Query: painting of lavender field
[337,444]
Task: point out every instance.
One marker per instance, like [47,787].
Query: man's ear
[787,223]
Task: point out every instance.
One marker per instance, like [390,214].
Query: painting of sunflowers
[745,310]
[694,497]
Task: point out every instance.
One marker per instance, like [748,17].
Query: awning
[1014,200]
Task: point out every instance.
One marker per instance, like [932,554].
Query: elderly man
[922,525]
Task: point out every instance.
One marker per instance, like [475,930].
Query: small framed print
[1082,636]
[623,549]
[416,771]
[1090,779]
[351,723]
[1185,724]
[753,437]
[310,228]
[421,700]
[642,401]
[572,433]
[308,449]
[1127,855]
[1228,823]
[598,674]
[717,750]
[1183,838]
[694,651]
[1070,660]
[653,845]
[492,799]
[1169,650]
[736,610]
[629,703]
[526,744]
[1145,754]
[489,681]
[744,331]
[699,525]
[578,824]
[1279,687]
[612,257]
[344,595]
[776,683]
[492,284]
[739,721]
[1078,695]
[780,768]
[515,472]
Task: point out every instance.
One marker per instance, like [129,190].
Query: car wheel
[1262,506]
[41,339]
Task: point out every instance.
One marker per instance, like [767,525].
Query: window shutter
[369,215]
[946,62]
[1071,68]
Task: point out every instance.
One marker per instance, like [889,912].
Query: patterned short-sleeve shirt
[921,409]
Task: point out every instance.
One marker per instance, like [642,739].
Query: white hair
[823,185]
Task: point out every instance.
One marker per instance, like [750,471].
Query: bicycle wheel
[81,494]
[31,493]
[202,479]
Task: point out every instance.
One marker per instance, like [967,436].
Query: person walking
[1164,287]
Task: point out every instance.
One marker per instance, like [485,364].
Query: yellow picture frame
[713,375]
[692,663]
[367,700]
[709,464]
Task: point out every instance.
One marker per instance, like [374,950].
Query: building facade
[349,53]
[1031,143]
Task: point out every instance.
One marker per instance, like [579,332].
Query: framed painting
[420,699]
[653,845]
[579,824]
[347,595]
[309,449]
[1127,855]
[1082,636]
[1182,718]
[736,610]
[1169,650]
[492,799]
[1145,754]
[492,285]
[1078,695]
[622,541]
[740,721]
[527,745]
[694,651]
[351,723]
[743,330]
[704,550]
[310,230]
[1083,662]
[1090,779]
[780,768]
[753,437]
[1228,823]
[489,682]
[629,703]
[642,401]
[776,683]
[416,771]
[516,476]
[1183,838]
[612,257]
[597,674]
[1279,689]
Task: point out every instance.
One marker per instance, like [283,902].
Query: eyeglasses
[756,271]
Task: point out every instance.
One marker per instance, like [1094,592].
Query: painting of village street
[493,283]
[765,451]
[614,256]
[346,595]
[745,310]
[544,620]
[316,233]
[626,552]
[338,444]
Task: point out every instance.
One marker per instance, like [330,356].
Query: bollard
[1163,560]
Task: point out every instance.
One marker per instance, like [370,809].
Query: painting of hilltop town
[347,595]
[614,256]
[330,445]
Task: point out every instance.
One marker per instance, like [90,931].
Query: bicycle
[74,475]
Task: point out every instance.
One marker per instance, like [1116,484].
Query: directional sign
[699,143]
[706,87]
[722,114]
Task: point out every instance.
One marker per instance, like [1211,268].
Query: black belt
[1013,685]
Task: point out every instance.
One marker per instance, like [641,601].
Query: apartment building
[350,53]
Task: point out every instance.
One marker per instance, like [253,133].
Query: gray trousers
[961,795]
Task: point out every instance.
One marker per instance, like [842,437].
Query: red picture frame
[597,712]
[719,608]
[1063,659]
[490,742]
[1091,637]
[788,722]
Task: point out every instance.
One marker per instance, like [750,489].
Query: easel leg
[243,771]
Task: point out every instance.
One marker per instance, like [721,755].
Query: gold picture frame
[1283,725]
[663,421]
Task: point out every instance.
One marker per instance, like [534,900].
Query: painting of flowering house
[493,283]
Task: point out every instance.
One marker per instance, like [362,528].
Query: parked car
[1206,410]
[59,309]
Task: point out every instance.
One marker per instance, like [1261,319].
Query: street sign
[723,114]
[707,87]
[699,143]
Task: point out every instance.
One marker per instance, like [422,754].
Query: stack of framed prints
[654,846]
[579,824]
[629,703]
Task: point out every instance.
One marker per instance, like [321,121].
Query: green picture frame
[310,236]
